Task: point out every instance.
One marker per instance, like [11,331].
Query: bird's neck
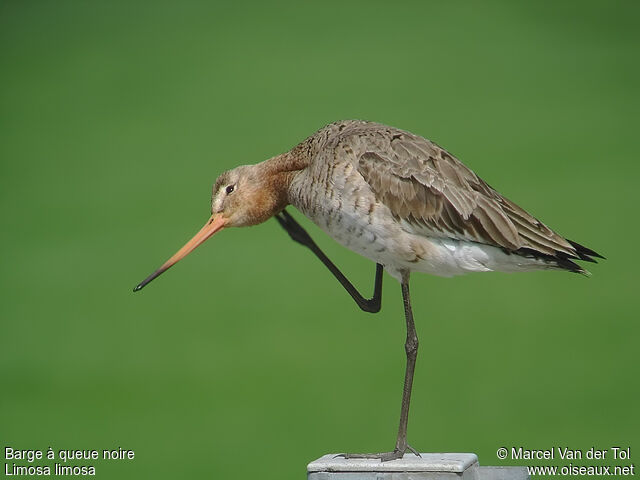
[285,163]
[276,175]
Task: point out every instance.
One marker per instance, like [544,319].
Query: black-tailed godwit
[397,199]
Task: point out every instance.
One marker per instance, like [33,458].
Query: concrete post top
[427,462]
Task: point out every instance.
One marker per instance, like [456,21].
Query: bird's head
[244,196]
[247,195]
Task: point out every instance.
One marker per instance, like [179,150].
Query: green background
[248,357]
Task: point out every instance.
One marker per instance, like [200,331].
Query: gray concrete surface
[430,466]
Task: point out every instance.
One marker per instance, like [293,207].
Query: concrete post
[430,466]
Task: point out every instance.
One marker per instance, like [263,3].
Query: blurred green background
[115,119]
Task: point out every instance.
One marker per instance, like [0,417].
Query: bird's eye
[230,189]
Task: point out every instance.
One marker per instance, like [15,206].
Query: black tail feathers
[585,253]
[564,260]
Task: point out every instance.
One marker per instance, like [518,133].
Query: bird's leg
[300,235]
[411,348]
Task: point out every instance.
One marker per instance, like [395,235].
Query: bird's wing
[437,194]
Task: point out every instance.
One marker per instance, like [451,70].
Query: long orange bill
[213,225]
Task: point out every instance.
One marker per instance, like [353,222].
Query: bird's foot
[397,453]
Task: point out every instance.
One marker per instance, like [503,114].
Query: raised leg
[300,235]
[411,348]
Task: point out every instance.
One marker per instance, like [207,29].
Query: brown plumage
[438,195]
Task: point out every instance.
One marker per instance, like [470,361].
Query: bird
[397,199]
